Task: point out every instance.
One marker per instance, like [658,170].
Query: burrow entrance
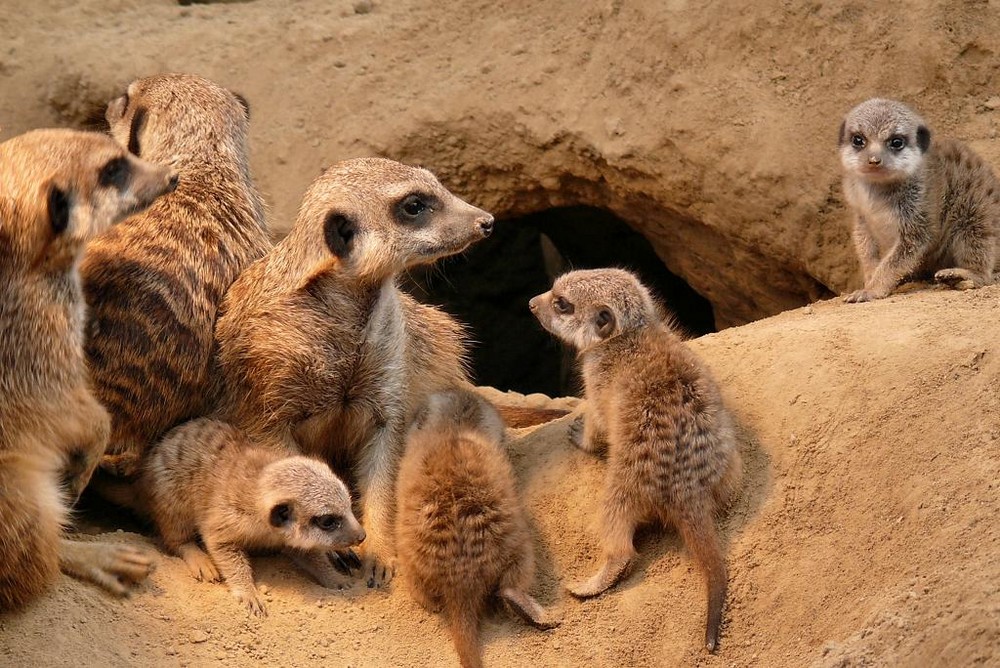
[488,288]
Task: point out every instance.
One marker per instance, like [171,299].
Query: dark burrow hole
[488,288]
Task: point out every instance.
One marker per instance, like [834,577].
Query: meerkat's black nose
[172,183]
[874,160]
[532,304]
[361,536]
[486,225]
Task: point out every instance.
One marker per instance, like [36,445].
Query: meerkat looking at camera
[57,189]
[154,283]
[672,455]
[321,350]
[206,479]
[921,207]
[462,534]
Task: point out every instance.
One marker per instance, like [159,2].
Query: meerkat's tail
[32,515]
[702,539]
[528,609]
[517,417]
[463,613]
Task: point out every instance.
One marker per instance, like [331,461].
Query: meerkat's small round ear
[338,232]
[923,138]
[281,514]
[246,105]
[840,135]
[58,208]
[138,122]
[605,321]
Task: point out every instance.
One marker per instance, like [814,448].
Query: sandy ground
[866,531]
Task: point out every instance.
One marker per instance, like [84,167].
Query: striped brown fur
[57,188]
[319,347]
[154,283]
[462,534]
[672,454]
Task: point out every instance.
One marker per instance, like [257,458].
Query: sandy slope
[865,533]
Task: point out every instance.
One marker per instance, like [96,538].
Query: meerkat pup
[672,455]
[461,531]
[57,188]
[320,349]
[205,478]
[154,282]
[920,208]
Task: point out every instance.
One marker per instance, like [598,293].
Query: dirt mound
[865,532]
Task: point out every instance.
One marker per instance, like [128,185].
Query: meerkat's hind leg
[113,567]
[618,528]
[958,278]
[528,609]
[198,562]
[318,564]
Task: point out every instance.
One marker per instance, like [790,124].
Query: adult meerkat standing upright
[320,348]
[460,529]
[154,282]
[920,207]
[207,479]
[672,455]
[57,188]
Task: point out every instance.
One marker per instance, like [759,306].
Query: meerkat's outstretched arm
[112,567]
[235,568]
[377,477]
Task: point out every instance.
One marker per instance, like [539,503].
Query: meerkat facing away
[205,478]
[920,207]
[462,534]
[154,282]
[672,455]
[321,349]
[57,188]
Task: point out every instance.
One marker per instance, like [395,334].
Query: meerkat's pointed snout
[485,223]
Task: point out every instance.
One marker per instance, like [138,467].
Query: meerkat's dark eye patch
[58,206]
[114,174]
[605,321]
[562,306]
[896,143]
[415,207]
[328,522]
[138,122]
[281,514]
[339,232]
[858,140]
[923,138]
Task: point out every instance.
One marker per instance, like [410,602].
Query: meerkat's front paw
[199,564]
[113,567]
[377,570]
[956,279]
[249,598]
[863,295]
[124,465]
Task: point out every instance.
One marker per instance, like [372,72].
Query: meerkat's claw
[255,607]
[859,296]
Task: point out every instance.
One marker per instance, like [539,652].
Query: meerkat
[57,188]
[920,208]
[321,350]
[207,479]
[672,453]
[154,283]
[461,532]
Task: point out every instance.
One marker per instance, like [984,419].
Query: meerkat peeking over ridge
[921,207]
[205,478]
[672,455]
[320,348]
[462,535]
[57,189]
[155,282]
